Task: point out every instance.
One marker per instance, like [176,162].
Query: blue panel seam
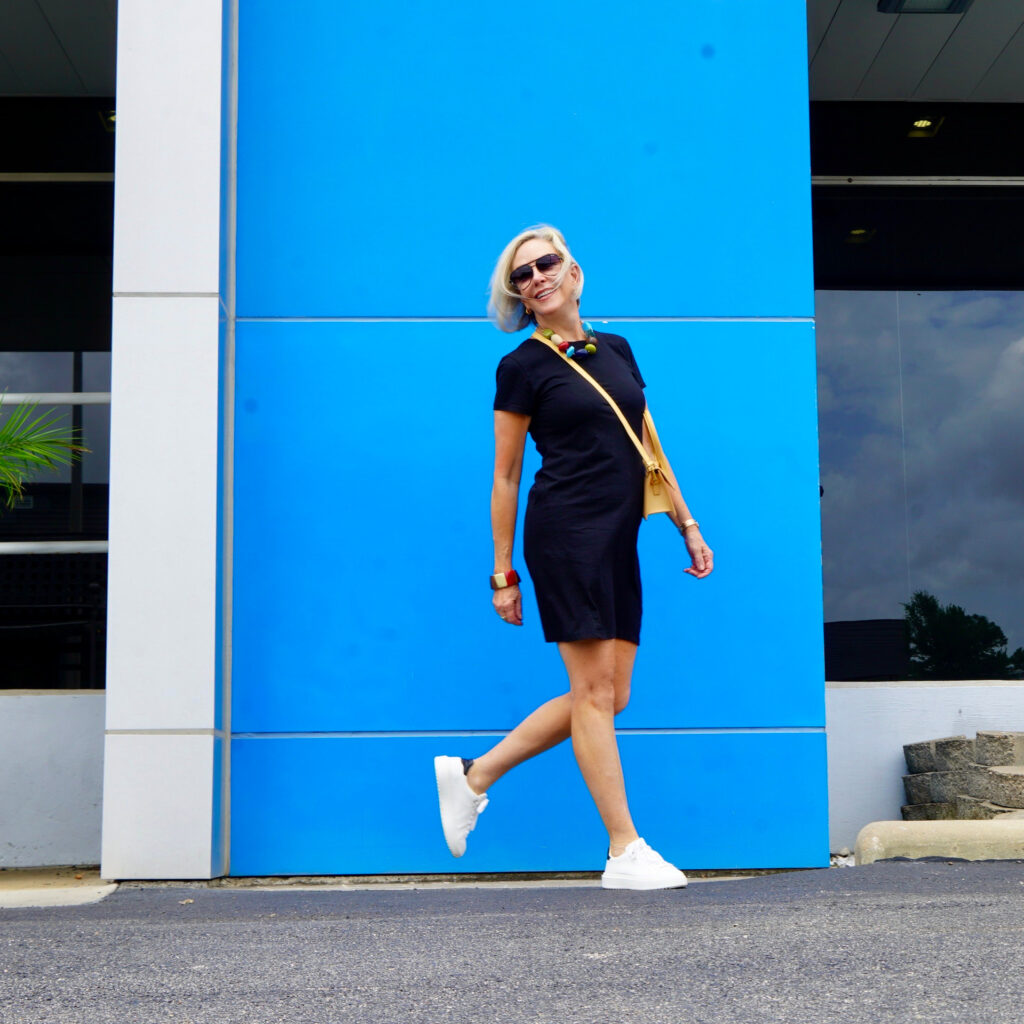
[396,734]
[484,320]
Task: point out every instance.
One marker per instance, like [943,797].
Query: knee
[598,692]
[621,699]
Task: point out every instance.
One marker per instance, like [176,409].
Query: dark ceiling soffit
[935,7]
[57,134]
[866,138]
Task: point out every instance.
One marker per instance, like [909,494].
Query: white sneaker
[460,806]
[640,867]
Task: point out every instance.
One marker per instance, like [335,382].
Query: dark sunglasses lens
[521,275]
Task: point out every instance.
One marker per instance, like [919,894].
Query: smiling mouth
[547,291]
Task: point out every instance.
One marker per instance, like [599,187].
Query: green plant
[31,442]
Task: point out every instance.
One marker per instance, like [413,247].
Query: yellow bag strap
[649,461]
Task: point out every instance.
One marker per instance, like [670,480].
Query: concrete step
[971,808]
[964,808]
[963,840]
[936,787]
[1002,784]
[929,812]
[942,755]
[999,748]
[953,753]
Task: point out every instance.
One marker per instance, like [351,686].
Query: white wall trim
[162,741]
[167,164]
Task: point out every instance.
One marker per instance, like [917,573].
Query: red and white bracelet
[501,580]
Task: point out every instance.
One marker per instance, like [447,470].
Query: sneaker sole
[637,884]
[446,778]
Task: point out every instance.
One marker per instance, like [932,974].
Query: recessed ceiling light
[925,127]
[860,236]
[923,6]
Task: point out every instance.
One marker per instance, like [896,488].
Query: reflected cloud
[35,371]
[921,410]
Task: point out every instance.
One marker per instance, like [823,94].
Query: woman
[580,534]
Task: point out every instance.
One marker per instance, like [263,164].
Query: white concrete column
[165,749]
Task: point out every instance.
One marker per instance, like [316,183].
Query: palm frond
[31,442]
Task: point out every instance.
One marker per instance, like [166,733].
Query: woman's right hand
[508,603]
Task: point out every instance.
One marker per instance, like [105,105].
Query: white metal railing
[53,547]
[55,398]
[55,176]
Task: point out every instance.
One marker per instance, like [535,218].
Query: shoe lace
[642,852]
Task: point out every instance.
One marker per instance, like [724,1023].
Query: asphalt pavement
[890,942]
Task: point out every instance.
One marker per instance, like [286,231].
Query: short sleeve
[514,391]
[627,352]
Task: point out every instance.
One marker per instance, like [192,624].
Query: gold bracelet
[684,526]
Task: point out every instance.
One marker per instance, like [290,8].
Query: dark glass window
[53,604]
[921,419]
[55,290]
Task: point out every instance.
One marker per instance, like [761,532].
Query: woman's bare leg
[542,729]
[598,669]
[546,727]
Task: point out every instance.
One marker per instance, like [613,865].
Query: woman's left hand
[702,558]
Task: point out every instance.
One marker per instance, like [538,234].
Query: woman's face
[539,293]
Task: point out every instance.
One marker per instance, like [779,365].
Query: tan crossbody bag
[656,484]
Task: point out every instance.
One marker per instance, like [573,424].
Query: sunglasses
[544,264]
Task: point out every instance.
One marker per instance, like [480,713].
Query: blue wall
[385,156]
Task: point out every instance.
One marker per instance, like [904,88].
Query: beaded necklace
[573,348]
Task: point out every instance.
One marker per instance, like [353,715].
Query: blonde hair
[506,307]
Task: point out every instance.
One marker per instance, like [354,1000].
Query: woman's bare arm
[702,559]
[509,442]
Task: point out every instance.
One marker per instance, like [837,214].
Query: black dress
[586,501]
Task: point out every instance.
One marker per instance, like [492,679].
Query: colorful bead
[568,348]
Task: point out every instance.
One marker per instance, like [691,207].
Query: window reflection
[36,371]
[53,605]
[921,440]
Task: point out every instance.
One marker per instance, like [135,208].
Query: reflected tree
[948,643]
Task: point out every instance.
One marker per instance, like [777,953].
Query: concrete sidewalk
[892,942]
[51,887]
